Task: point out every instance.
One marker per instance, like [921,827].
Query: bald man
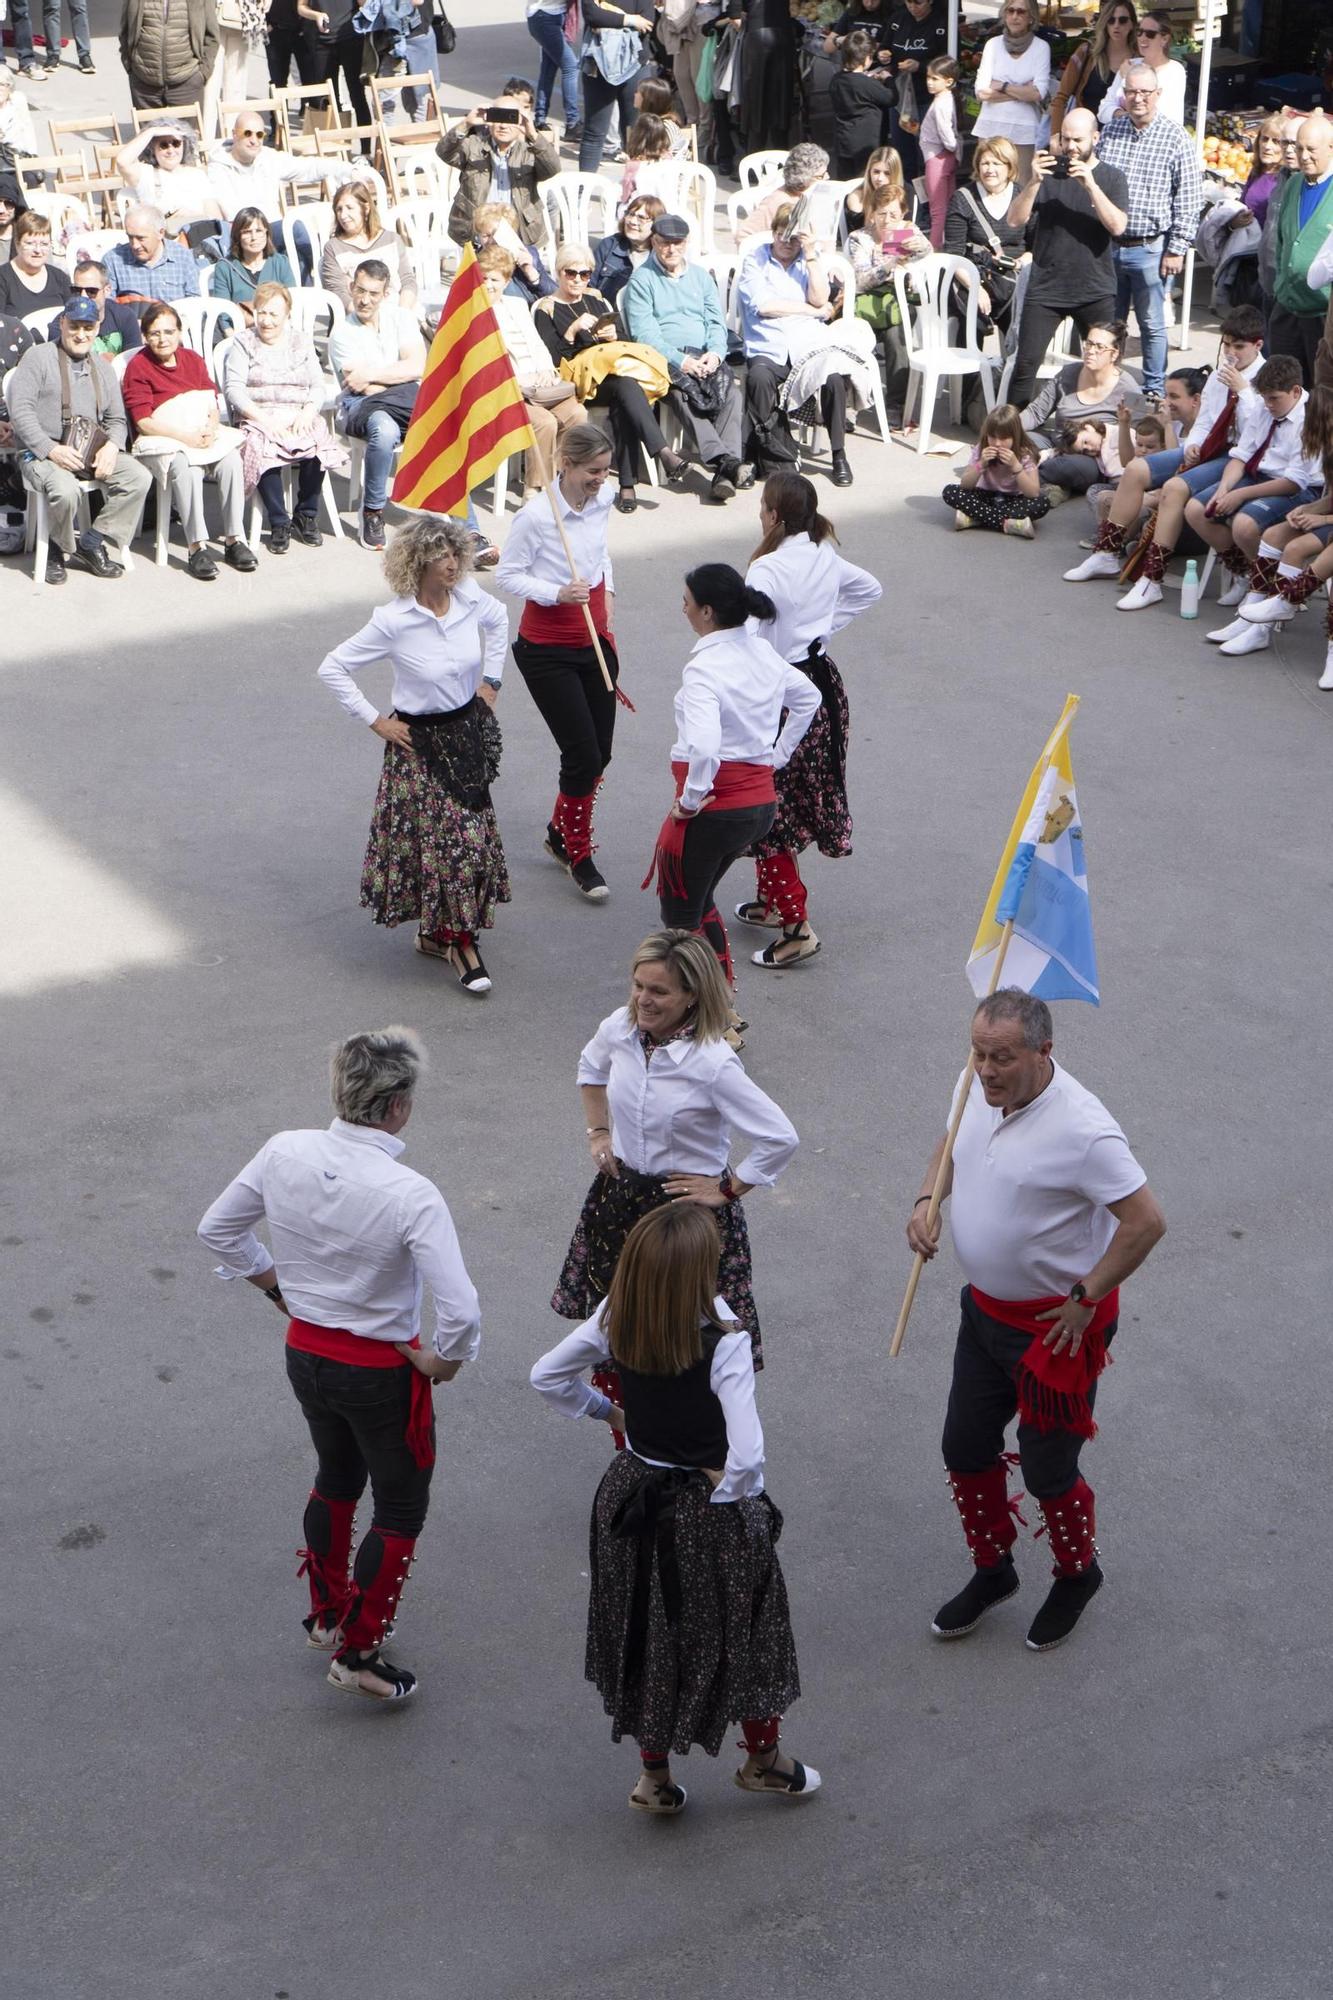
[1079,204]
[1304,225]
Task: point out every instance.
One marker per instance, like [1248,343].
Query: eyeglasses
[1140,91]
[173,143]
[1151,34]
[252,132]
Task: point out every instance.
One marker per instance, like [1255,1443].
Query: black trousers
[358,1424]
[983,1402]
[599,100]
[713,840]
[572,700]
[273,493]
[633,426]
[340,63]
[1034,337]
[1298,334]
[288,45]
[770,447]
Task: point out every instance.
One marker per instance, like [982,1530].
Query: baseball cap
[80,310]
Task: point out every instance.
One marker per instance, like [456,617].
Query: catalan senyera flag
[469,412]
[1041,886]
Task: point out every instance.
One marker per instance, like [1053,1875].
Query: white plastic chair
[923,291]
[310,303]
[202,320]
[316,218]
[39,322]
[569,201]
[761,170]
[744,202]
[691,191]
[37,518]
[1057,354]
[90,243]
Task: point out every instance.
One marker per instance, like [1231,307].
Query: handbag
[703,395]
[446,35]
[999,257]
[84,435]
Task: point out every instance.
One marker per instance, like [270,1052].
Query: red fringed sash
[564,624]
[734,787]
[335,1343]
[1053,1388]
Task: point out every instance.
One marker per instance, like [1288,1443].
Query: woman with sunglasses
[1155,50]
[161,165]
[1096,62]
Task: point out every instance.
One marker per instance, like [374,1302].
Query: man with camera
[500,156]
[1075,207]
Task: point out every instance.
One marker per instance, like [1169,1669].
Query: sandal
[472,978]
[665,1799]
[799,935]
[801,1782]
[396,1683]
[430,947]
[734,1039]
[760,915]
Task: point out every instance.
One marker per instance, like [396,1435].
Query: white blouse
[534,564]
[1009,118]
[815,591]
[675,1113]
[558,1377]
[438,663]
[730,704]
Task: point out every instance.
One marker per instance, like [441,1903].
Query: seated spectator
[253,259]
[673,306]
[999,487]
[506,155]
[497,222]
[170,399]
[12,204]
[649,166]
[1096,386]
[1267,473]
[145,265]
[16,127]
[162,166]
[377,354]
[981,225]
[862,102]
[15,340]
[575,320]
[620,254]
[118,329]
[38,401]
[883,177]
[359,233]
[551,402]
[30,280]
[784,285]
[804,167]
[883,244]
[1304,542]
[247,172]
[274,388]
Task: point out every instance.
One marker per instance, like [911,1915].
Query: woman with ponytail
[814,594]
[730,738]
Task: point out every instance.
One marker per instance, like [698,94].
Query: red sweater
[146,383]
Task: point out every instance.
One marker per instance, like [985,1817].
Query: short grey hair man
[369,1071]
[1011,1003]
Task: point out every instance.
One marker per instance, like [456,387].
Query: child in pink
[939,142]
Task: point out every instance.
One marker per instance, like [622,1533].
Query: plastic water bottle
[1189,591]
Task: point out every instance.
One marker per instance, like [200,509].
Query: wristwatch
[486,681]
[1079,1294]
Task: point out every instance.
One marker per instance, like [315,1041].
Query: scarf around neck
[1017,45]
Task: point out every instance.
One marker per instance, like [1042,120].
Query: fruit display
[1228,144]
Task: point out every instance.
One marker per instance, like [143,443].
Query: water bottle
[1189,591]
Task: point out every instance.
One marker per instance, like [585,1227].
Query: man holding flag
[1050,1214]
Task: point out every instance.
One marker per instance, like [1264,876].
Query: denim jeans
[78,21]
[382,439]
[558,56]
[1139,282]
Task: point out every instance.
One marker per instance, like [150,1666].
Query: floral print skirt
[812,791]
[431,858]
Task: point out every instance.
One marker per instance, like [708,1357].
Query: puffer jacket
[168,51]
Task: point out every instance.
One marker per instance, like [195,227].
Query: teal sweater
[1296,248]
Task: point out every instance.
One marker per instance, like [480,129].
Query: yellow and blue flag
[1041,887]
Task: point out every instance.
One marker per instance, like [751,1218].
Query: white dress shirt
[815,591]
[558,1377]
[1213,400]
[1029,1209]
[356,1237]
[674,1114]
[1282,454]
[729,706]
[534,564]
[438,663]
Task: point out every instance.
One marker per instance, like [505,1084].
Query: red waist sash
[1053,1388]
[335,1343]
[734,786]
[564,624]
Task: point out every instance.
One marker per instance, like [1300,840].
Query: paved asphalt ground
[188,1810]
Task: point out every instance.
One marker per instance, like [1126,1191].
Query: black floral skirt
[812,791]
[688,1625]
[434,853]
[609,1213]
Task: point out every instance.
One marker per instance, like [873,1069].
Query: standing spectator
[613,61]
[499,159]
[168,48]
[30,280]
[1304,225]
[862,99]
[1265,174]
[546,25]
[118,329]
[1014,83]
[918,31]
[145,265]
[783,285]
[376,349]
[681,35]
[1162,175]
[56,380]
[983,225]
[21,13]
[1268,235]
[768,74]
[274,387]
[162,166]
[241,25]
[288,43]
[1078,207]
[1154,49]
[1096,63]
[940,143]
[870,17]
[804,167]
[339,47]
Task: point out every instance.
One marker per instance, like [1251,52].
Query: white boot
[1236,590]
[1231,631]
[1326,678]
[1144,593]
[1253,639]
[1268,611]
[1102,562]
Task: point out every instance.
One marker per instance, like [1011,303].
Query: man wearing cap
[674,306]
[54,382]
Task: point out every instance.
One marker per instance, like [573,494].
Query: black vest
[676,1419]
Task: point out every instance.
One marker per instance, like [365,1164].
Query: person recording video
[498,146]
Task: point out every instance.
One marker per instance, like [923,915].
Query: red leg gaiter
[987,1513]
[715,931]
[760,1733]
[781,887]
[1110,538]
[1154,562]
[382,1563]
[1071,1523]
[574,819]
[1235,561]
[327,1527]
[1263,575]
[1297,588]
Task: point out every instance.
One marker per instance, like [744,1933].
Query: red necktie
[1256,459]
[1219,437]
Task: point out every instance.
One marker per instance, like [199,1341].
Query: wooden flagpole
[574,577]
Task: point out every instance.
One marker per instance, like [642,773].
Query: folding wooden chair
[271,108]
[89,135]
[32,170]
[179,114]
[400,135]
[306,108]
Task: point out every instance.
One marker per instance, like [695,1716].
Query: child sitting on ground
[999,487]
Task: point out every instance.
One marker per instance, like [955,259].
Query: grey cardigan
[34,399]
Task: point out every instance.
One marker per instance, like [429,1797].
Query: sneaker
[32,74]
[1250,639]
[1144,593]
[573,133]
[1269,611]
[52,68]
[280,539]
[202,565]
[1023,531]
[374,1676]
[1067,1600]
[87,67]
[239,556]
[306,529]
[1325,680]
[1225,632]
[588,880]
[485,555]
[372,528]
[55,565]
[962,522]
[1236,592]
[1102,562]
[989,1587]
